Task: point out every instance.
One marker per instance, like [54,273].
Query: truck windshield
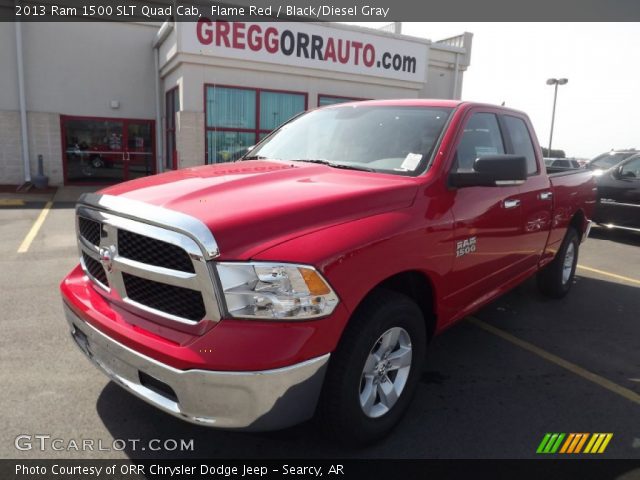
[608,160]
[391,139]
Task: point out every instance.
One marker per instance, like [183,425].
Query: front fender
[357,256]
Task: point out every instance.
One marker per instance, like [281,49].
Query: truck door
[619,194]
[487,220]
[536,195]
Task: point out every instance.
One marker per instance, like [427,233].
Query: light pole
[556,82]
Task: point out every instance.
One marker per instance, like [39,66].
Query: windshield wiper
[254,157]
[335,165]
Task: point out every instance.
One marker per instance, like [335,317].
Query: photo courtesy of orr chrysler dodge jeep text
[308,278]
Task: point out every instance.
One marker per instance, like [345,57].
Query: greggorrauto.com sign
[308,45]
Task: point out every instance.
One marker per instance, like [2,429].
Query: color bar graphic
[550,443]
[598,442]
[574,443]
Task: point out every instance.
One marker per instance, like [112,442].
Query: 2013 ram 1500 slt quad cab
[308,277]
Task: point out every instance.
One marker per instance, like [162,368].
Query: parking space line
[609,274]
[561,362]
[26,243]
[11,202]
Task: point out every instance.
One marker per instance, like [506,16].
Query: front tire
[375,369]
[555,279]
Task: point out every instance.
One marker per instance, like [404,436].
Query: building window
[276,108]
[172,107]
[324,100]
[237,117]
[106,150]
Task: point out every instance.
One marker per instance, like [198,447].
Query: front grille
[90,230]
[178,301]
[95,269]
[153,252]
[179,295]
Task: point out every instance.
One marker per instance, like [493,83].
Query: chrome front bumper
[261,400]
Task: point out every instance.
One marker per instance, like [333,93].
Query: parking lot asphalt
[493,384]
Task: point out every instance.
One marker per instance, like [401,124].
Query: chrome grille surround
[188,233]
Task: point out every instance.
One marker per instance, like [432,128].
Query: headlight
[275,291]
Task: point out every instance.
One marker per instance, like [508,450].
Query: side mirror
[492,171]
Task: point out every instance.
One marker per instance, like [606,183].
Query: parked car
[619,195]
[309,277]
[582,161]
[606,160]
[96,156]
[561,164]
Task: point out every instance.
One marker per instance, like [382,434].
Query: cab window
[481,137]
[631,169]
[521,142]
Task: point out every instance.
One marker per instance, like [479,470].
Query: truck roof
[409,102]
[427,102]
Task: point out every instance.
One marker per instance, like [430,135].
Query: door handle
[546,195]
[511,203]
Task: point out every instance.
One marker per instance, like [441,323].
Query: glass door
[107,151]
[93,150]
[140,158]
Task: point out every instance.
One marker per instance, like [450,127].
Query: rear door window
[481,137]
[521,141]
[631,169]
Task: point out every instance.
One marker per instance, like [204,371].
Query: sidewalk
[61,195]
[71,194]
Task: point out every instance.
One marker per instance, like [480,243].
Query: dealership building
[103,102]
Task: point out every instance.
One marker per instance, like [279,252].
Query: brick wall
[190,138]
[11,170]
[44,139]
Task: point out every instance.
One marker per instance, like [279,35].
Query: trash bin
[40,180]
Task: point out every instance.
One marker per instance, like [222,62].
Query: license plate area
[82,340]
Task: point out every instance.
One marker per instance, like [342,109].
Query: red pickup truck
[308,277]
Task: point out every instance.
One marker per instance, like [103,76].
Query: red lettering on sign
[330,52]
[271,40]
[203,31]
[254,39]
[343,56]
[238,35]
[222,33]
[356,46]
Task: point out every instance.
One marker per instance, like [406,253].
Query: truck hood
[254,205]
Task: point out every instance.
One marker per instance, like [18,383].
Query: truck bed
[559,171]
[572,191]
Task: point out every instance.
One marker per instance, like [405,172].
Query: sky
[510,62]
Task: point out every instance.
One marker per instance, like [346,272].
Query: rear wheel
[375,369]
[555,279]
